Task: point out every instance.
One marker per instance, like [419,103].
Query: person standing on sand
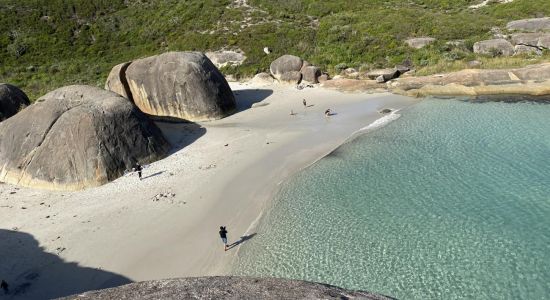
[223,235]
[138,169]
[4,286]
[305,103]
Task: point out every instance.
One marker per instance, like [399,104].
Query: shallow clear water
[452,200]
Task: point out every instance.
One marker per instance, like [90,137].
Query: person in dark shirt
[305,103]
[4,286]
[138,169]
[223,235]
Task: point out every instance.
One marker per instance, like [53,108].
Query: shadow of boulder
[245,98]
[33,273]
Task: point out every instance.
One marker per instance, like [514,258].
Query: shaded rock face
[492,47]
[310,74]
[418,43]
[224,58]
[286,64]
[291,77]
[530,25]
[544,42]
[116,81]
[76,137]
[227,288]
[182,85]
[12,100]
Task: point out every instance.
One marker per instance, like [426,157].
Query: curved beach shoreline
[225,174]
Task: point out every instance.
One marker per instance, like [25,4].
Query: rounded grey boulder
[420,42]
[285,64]
[76,137]
[12,100]
[227,287]
[311,74]
[496,46]
[183,85]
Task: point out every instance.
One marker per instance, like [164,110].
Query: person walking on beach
[4,286]
[305,103]
[138,169]
[223,235]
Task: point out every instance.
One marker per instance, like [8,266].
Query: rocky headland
[229,287]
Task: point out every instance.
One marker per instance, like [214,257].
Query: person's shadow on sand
[242,240]
[33,273]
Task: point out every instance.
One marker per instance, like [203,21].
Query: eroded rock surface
[530,25]
[76,137]
[116,81]
[182,85]
[224,58]
[12,100]
[228,287]
[494,47]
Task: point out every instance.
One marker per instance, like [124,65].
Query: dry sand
[221,173]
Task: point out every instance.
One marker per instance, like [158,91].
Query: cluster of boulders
[82,136]
[528,36]
[290,69]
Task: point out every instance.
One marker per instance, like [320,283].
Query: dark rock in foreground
[183,85]
[12,100]
[76,137]
[226,288]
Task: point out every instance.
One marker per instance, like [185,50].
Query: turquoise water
[452,200]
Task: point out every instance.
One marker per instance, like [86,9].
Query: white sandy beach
[58,243]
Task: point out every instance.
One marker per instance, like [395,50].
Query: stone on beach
[181,85]
[12,100]
[285,64]
[76,137]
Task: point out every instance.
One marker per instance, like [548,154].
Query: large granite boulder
[116,81]
[227,287]
[310,74]
[224,58]
[292,77]
[530,25]
[523,49]
[527,39]
[12,100]
[285,64]
[494,47]
[388,74]
[418,43]
[181,85]
[76,137]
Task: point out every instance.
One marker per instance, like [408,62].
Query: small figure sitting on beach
[292,112]
[223,235]
[328,112]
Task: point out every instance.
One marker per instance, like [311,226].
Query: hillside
[45,44]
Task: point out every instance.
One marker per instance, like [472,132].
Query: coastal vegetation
[46,44]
